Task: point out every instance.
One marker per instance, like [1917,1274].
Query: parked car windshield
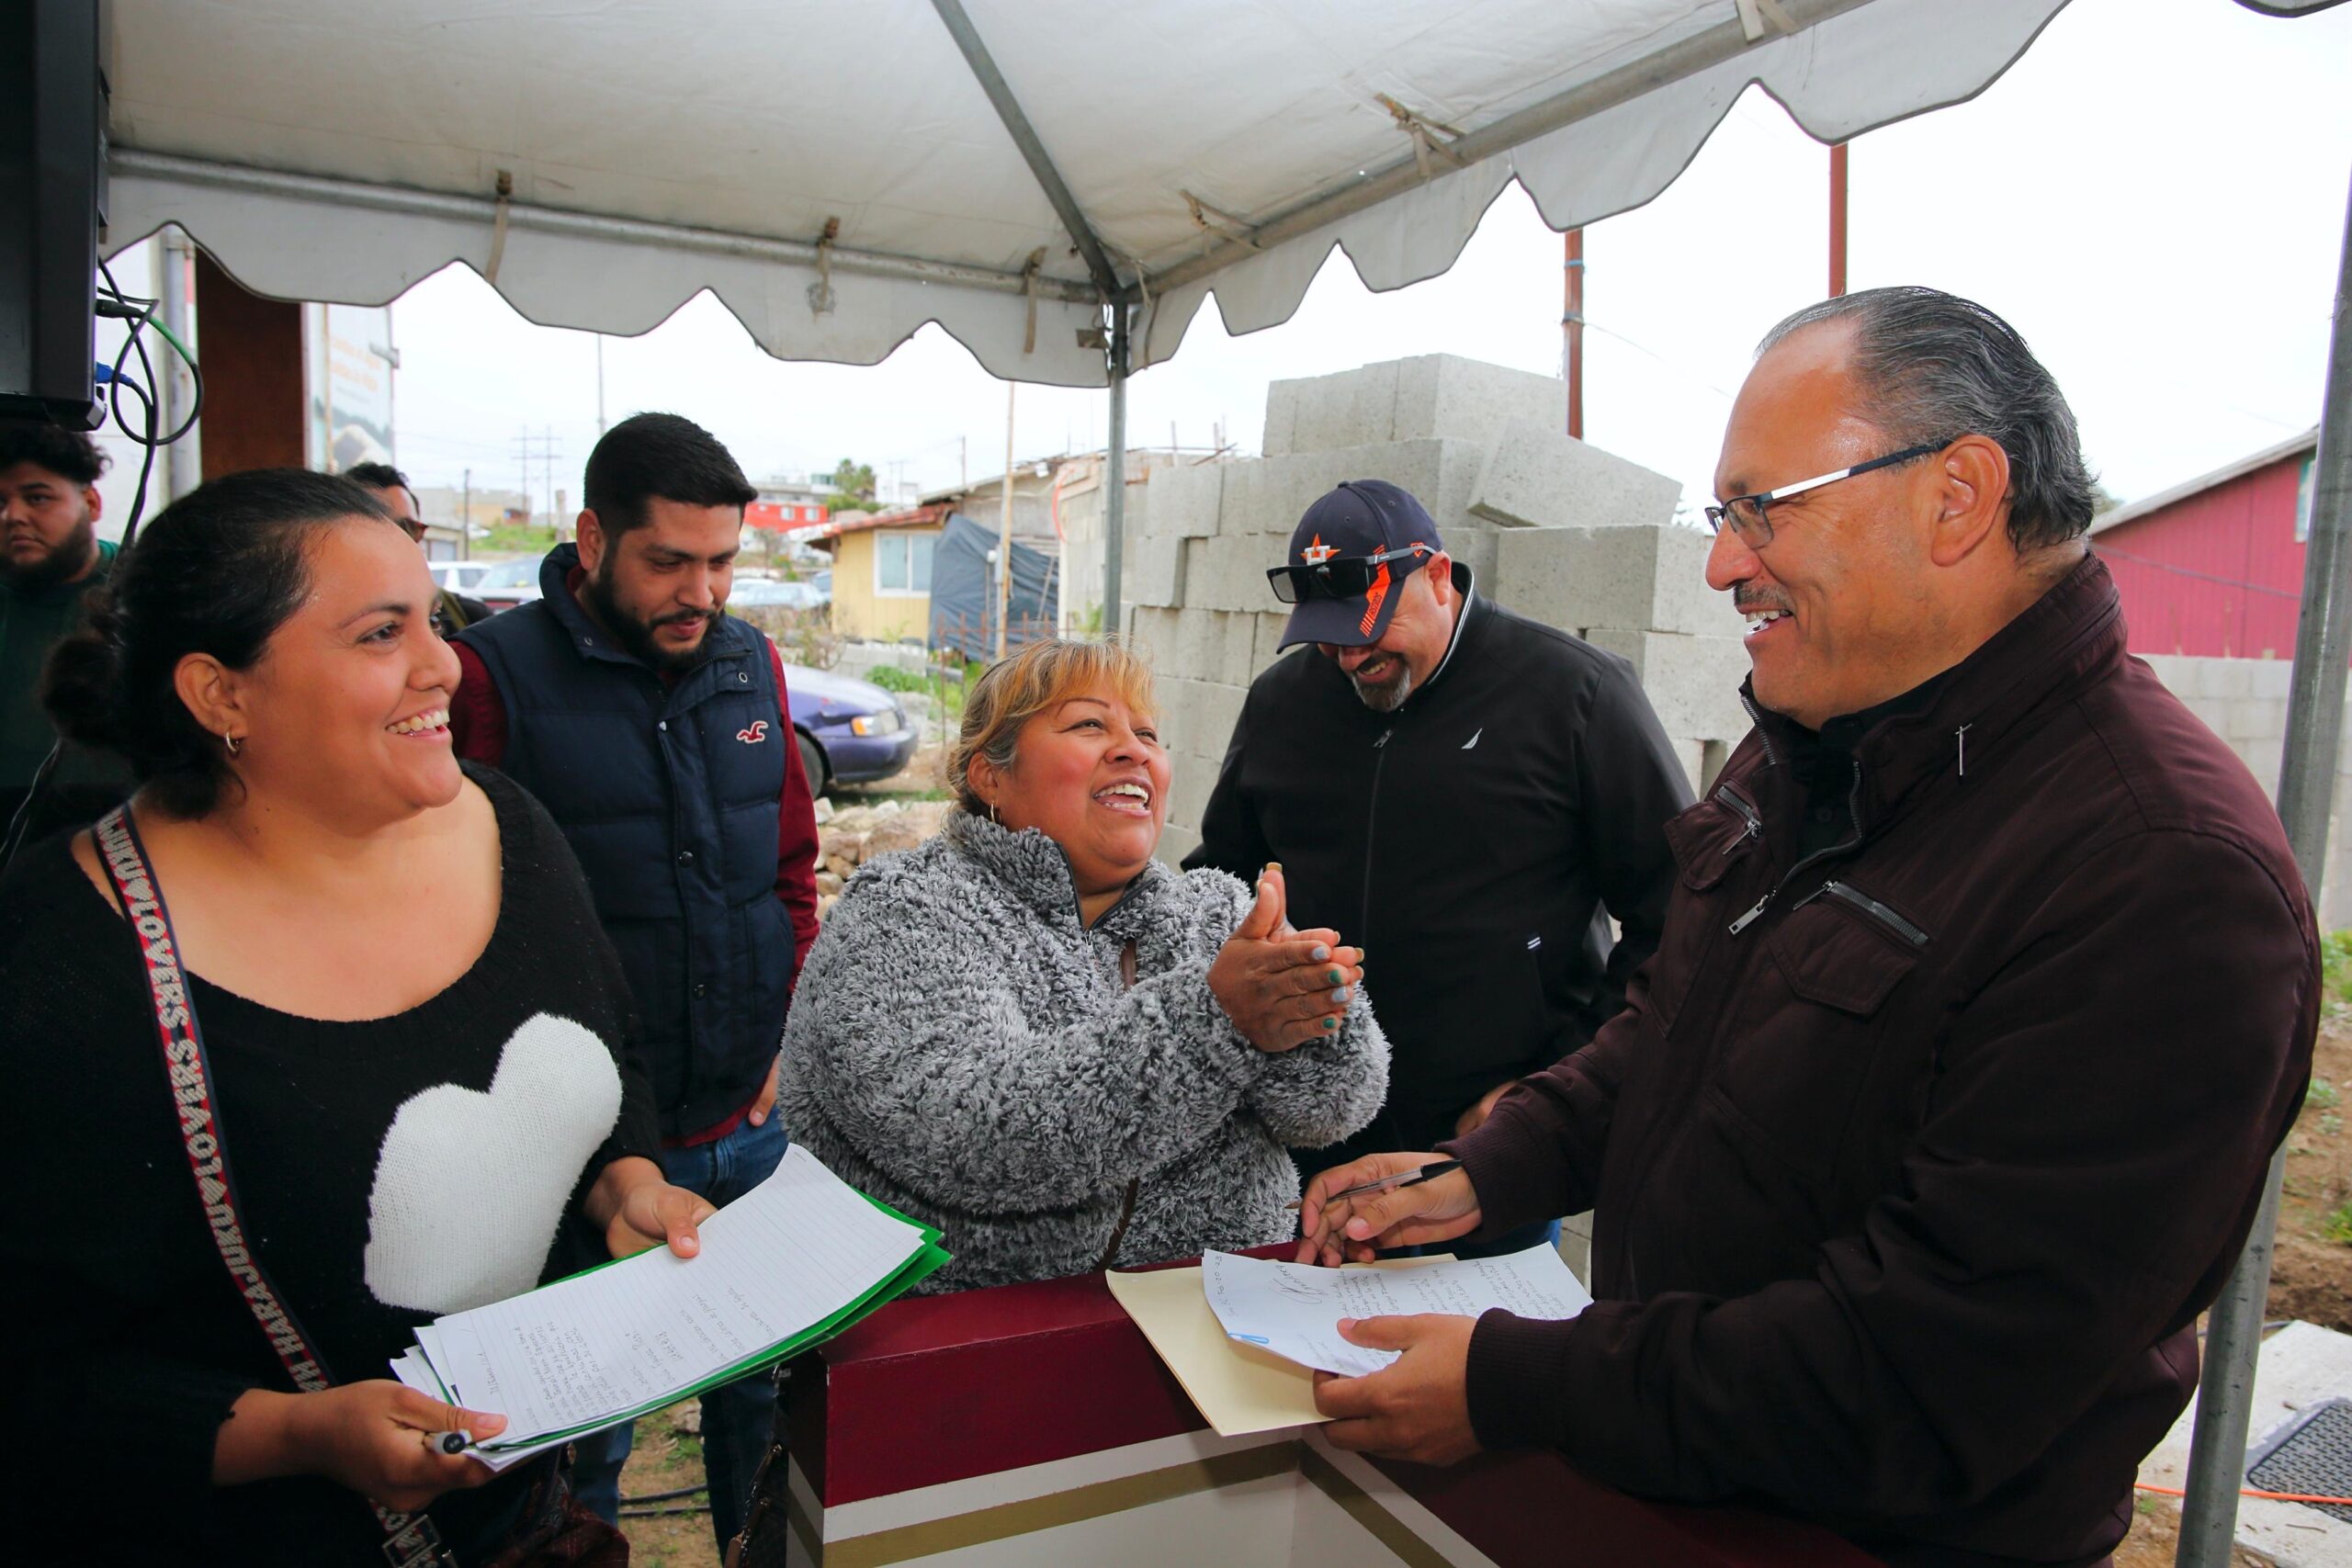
[521,572]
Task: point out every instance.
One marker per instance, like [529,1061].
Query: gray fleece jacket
[962,1048]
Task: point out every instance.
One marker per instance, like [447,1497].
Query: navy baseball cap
[1347,558]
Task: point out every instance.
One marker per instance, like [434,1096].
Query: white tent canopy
[1059,183]
[344,150]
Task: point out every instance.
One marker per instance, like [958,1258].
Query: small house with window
[882,563]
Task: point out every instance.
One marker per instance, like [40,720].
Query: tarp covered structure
[344,150]
[964,591]
[1058,184]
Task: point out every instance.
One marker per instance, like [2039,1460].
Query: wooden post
[254,409]
[1837,219]
[1572,329]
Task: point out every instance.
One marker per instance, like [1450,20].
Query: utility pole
[963,462]
[546,455]
[466,520]
[1837,219]
[599,384]
[1004,530]
[1572,327]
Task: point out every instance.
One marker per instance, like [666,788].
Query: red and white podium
[1032,1425]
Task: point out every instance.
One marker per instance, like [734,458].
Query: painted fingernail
[1341,995]
[1321,952]
[1273,865]
[1330,1024]
[1337,976]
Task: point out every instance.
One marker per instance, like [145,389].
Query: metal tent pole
[2306,791]
[1114,473]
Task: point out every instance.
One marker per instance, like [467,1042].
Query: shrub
[2335,969]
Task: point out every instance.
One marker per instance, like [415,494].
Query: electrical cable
[139,313]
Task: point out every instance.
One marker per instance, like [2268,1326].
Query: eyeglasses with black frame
[1750,520]
[1348,577]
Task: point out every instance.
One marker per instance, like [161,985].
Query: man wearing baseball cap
[1470,792]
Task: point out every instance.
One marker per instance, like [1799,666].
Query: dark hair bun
[82,683]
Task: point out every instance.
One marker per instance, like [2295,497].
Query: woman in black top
[419,1041]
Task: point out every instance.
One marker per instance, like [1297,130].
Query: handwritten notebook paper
[1293,1310]
[1237,1388]
[794,1261]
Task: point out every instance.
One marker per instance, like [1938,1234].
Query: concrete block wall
[2244,701]
[1556,530]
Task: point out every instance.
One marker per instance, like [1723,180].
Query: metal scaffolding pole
[1115,474]
[2306,791]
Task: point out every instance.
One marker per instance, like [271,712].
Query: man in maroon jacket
[1987,989]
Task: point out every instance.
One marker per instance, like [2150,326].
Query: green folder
[926,1260]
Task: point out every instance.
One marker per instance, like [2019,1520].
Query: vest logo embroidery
[753,736]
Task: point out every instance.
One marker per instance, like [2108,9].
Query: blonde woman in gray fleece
[1033,1034]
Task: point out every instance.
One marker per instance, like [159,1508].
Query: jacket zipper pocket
[1855,899]
[1739,803]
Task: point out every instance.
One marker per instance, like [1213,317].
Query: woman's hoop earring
[230,741]
[993,817]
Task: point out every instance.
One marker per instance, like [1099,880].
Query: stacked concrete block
[1182,501]
[1538,477]
[1196,715]
[1648,578]
[1153,569]
[1435,396]
[1266,498]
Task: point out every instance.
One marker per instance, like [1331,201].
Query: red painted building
[784,516]
[2215,567]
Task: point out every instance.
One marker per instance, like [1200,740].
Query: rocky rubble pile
[847,840]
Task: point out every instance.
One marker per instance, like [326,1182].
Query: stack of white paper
[1293,1310]
[793,1260]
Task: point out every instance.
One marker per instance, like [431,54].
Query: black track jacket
[1475,842]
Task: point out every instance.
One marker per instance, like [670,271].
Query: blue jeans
[737,1418]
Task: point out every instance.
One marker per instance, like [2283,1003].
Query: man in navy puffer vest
[656,730]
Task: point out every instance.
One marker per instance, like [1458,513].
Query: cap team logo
[1319,552]
[753,736]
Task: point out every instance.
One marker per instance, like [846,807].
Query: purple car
[850,731]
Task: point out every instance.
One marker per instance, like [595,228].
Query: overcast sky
[2154,195]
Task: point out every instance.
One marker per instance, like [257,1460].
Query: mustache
[684,617]
[1746,600]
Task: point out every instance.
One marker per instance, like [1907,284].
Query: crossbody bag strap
[410,1540]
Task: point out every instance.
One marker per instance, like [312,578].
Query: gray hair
[1934,367]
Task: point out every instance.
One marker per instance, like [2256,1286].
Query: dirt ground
[2311,1276]
[665,1459]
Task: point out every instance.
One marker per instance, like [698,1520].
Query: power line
[2200,576]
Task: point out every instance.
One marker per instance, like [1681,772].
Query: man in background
[452,611]
[656,730]
[1470,792]
[50,557]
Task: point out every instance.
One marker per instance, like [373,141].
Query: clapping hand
[1281,987]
